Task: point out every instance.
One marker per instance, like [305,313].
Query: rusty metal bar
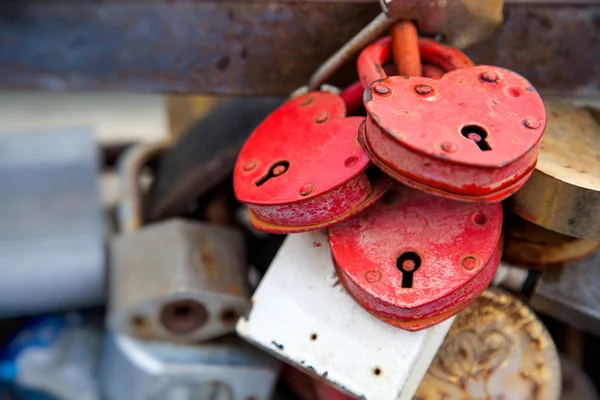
[257,48]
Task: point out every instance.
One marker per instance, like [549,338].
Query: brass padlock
[176,280]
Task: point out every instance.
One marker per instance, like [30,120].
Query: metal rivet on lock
[311,171]
[563,194]
[472,135]
[414,259]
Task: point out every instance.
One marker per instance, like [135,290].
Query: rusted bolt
[250,165]
[449,147]
[278,170]
[381,89]
[350,161]
[489,76]
[469,263]
[373,276]
[321,117]
[306,189]
[183,316]
[531,123]
[423,89]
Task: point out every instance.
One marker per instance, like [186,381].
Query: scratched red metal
[458,245]
[324,178]
[472,135]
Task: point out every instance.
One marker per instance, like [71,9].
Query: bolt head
[531,123]
[381,89]
[469,263]
[306,189]
[449,147]
[373,276]
[423,89]
[249,166]
[489,76]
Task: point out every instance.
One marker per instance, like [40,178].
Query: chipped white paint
[302,314]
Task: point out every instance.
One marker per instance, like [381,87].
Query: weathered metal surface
[532,246]
[177,280]
[204,156]
[304,316]
[556,47]
[564,192]
[302,168]
[224,369]
[571,294]
[243,47]
[472,135]
[496,349]
[414,259]
[462,22]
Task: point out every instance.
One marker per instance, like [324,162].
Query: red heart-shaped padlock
[303,168]
[472,135]
[413,259]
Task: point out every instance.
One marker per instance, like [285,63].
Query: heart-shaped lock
[303,169]
[472,135]
[413,259]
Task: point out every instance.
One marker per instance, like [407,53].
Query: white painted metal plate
[302,314]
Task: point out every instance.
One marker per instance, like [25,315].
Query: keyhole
[408,263]
[476,134]
[277,169]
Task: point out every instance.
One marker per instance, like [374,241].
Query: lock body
[302,168]
[563,193]
[224,369]
[497,348]
[472,135]
[530,245]
[177,280]
[318,328]
[414,259]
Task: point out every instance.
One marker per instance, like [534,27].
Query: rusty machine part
[479,128]
[204,155]
[563,193]
[177,280]
[532,246]
[302,168]
[413,259]
[461,22]
[497,348]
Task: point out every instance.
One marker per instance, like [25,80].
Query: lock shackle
[371,60]
[130,165]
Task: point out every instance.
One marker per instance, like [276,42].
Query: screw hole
[313,337]
[138,321]
[229,316]
[479,218]
[476,134]
[377,371]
